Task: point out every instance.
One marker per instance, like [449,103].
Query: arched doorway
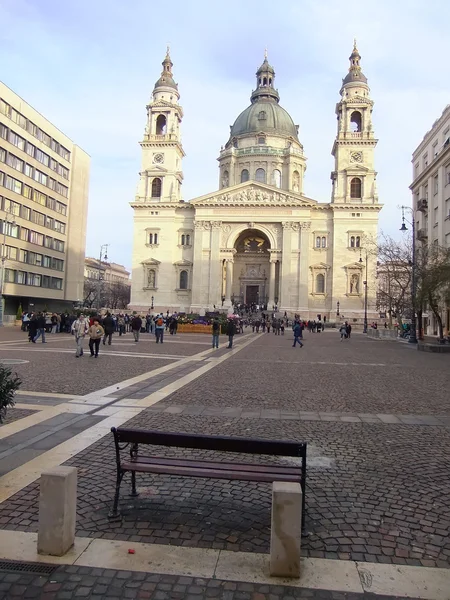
[251,268]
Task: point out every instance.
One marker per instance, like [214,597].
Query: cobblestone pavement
[377,490]
[67,583]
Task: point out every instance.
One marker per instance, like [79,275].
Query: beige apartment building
[431,195]
[44,181]
[110,272]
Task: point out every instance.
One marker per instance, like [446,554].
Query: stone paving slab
[14,414]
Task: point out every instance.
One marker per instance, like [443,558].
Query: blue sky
[90,67]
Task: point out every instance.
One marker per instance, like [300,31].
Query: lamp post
[151,307]
[103,256]
[9,220]
[337,308]
[413,330]
[365,293]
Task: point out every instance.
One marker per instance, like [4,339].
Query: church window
[151,278]
[161,123]
[261,140]
[276,178]
[265,81]
[156,188]
[152,238]
[296,181]
[260,175]
[185,239]
[352,241]
[270,80]
[320,284]
[355,188]
[358,241]
[318,241]
[355,121]
[183,280]
[324,242]
[262,115]
[244,175]
[225,179]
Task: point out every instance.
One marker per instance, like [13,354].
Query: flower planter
[190,328]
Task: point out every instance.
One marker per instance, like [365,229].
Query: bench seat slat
[210,471]
[227,466]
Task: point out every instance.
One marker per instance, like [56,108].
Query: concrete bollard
[57,510]
[286,529]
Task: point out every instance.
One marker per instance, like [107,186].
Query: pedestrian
[121,324]
[343,331]
[108,326]
[96,332]
[80,327]
[297,333]
[215,333]
[136,324]
[32,328]
[54,321]
[231,330]
[159,328]
[349,329]
[40,327]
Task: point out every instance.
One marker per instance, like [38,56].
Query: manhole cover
[13,361]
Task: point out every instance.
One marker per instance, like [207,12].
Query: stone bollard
[57,510]
[286,529]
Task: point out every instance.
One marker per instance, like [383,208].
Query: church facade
[258,238]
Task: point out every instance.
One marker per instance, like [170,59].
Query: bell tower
[354,177]
[161,175]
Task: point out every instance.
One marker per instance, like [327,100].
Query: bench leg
[134,493]
[114,514]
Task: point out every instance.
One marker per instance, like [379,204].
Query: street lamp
[413,329]
[337,308]
[103,256]
[8,215]
[151,307]
[365,293]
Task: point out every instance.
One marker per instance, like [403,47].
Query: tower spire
[166,79]
[355,74]
[265,79]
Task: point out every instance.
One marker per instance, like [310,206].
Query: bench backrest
[220,443]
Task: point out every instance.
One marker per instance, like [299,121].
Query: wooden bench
[185,467]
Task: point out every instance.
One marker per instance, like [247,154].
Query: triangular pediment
[354,265]
[151,261]
[355,168]
[320,265]
[183,263]
[156,169]
[253,193]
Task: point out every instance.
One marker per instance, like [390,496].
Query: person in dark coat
[231,330]
[40,328]
[109,327]
[136,324]
[32,328]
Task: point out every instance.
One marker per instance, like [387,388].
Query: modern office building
[431,196]
[44,181]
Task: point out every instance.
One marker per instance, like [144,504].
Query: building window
[318,241]
[225,179]
[183,280]
[356,121]
[276,178]
[10,275]
[358,241]
[436,184]
[261,140]
[260,175]
[14,162]
[244,175]
[42,157]
[355,188]
[320,283]
[153,238]
[324,242]
[3,131]
[30,149]
[156,188]
[12,207]
[16,140]
[13,184]
[161,123]
[185,239]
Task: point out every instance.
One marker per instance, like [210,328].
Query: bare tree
[118,295]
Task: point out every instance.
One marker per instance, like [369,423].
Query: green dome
[264,115]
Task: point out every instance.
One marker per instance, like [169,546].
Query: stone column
[215,276]
[286,529]
[304,269]
[229,281]
[286,274]
[197,266]
[273,265]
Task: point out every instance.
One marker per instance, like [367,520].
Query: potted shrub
[19,315]
[9,384]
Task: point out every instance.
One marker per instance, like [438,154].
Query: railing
[267,150]
[168,137]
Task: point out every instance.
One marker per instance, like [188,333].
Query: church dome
[264,115]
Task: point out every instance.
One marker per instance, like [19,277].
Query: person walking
[159,329]
[343,331]
[40,327]
[109,327]
[297,334]
[136,324]
[231,330]
[349,329]
[32,328]
[96,332]
[80,327]
[215,333]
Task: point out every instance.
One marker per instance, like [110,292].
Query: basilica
[258,238]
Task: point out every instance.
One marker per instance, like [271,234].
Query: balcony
[422,234]
[168,137]
[422,205]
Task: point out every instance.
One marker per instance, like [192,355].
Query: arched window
[161,123]
[355,121]
[261,140]
[352,241]
[262,115]
[151,278]
[276,178]
[265,81]
[225,179]
[156,188]
[295,181]
[183,240]
[244,175]
[318,242]
[260,175]
[355,188]
[183,280]
[358,241]
[324,242]
[320,284]
[152,238]
[188,240]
